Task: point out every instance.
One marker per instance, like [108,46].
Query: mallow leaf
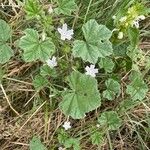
[32,8]
[5,50]
[137,89]
[66,7]
[39,82]
[5,31]
[96,42]
[133,34]
[83,96]
[110,119]
[113,89]
[107,64]
[72,142]
[35,48]
[97,138]
[88,52]
[36,144]
[5,53]
[93,32]
[47,71]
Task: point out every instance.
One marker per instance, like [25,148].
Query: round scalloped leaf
[65,7]
[107,64]
[83,96]
[137,89]
[87,52]
[93,32]
[110,119]
[5,31]
[5,53]
[34,48]
[36,144]
[113,89]
[97,42]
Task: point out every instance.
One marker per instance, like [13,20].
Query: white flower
[50,10]
[136,24]
[120,35]
[141,17]
[114,17]
[98,125]
[65,33]
[52,62]
[123,19]
[60,148]
[91,70]
[43,36]
[136,21]
[67,125]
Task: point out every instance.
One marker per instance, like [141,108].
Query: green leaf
[93,32]
[62,136]
[107,64]
[135,53]
[87,52]
[47,71]
[97,138]
[66,7]
[35,144]
[80,99]
[34,48]
[39,82]
[5,53]
[110,119]
[120,49]
[72,142]
[133,34]
[5,31]
[97,42]
[113,89]
[32,8]
[137,89]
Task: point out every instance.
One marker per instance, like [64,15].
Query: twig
[8,100]
[32,115]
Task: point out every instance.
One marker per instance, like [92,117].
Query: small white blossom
[52,62]
[50,10]
[98,125]
[65,33]
[60,148]
[114,17]
[67,125]
[141,17]
[136,24]
[91,70]
[43,36]
[123,19]
[120,35]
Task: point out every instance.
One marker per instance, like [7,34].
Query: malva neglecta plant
[86,65]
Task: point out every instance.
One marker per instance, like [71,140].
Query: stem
[109,140]
[8,100]
[87,10]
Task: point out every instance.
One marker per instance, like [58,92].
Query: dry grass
[17,130]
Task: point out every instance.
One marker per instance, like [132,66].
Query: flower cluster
[67,34]
[130,19]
